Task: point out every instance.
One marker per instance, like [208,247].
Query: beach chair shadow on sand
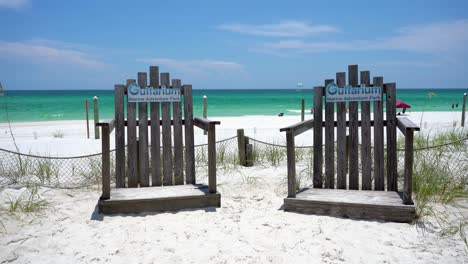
[146,179]
[345,188]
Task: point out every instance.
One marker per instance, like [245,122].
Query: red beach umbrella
[401,104]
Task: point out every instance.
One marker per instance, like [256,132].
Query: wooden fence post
[408,181]
[302,109]
[212,158]
[248,153]
[291,159]
[86,105]
[96,117]
[204,111]
[105,163]
[348,145]
[241,146]
[463,110]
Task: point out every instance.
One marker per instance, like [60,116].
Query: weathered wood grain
[105,144]
[131,141]
[318,138]
[119,99]
[189,140]
[366,156]
[153,199]
[353,132]
[291,160]
[463,110]
[300,127]
[379,171]
[302,109]
[372,205]
[405,124]
[392,181]
[408,180]
[212,158]
[341,136]
[241,146]
[166,134]
[329,142]
[178,138]
[155,131]
[143,134]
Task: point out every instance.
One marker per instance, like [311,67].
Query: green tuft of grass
[45,170]
[29,201]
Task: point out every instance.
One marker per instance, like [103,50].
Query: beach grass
[28,201]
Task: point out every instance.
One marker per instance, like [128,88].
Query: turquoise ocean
[49,105]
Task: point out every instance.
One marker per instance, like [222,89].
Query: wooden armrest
[299,128]
[404,124]
[204,123]
[108,123]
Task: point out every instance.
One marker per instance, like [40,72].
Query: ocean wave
[293,111]
[53,115]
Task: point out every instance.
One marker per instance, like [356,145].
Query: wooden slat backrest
[353,132]
[135,172]
[366,159]
[166,134]
[155,132]
[329,143]
[119,99]
[360,126]
[390,89]
[379,172]
[178,145]
[131,141]
[189,140]
[342,162]
[143,134]
[318,156]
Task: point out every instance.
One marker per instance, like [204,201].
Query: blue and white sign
[150,94]
[349,93]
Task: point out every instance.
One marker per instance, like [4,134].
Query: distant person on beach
[281,114]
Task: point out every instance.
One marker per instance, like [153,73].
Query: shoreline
[68,138]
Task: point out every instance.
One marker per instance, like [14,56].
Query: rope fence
[81,171]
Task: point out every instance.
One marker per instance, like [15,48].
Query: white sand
[37,137]
[250,227]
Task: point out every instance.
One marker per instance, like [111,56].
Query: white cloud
[284,29]
[205,66]
[48,51]
[13,4]
[438,38]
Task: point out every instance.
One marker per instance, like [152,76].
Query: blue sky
[85,44]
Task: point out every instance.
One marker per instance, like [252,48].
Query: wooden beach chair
[147,179]
[345,188]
